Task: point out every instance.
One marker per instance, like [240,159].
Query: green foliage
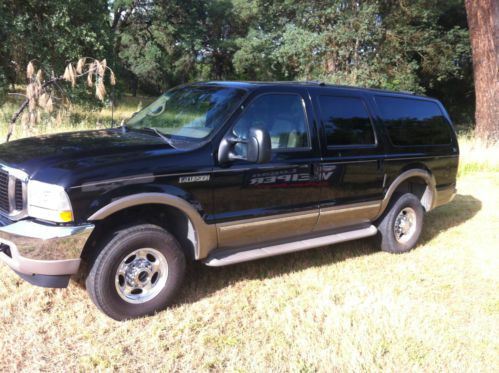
[254,60]
[51,32]
[393,46]
[63,31]
[419,45]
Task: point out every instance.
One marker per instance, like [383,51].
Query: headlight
[48,202]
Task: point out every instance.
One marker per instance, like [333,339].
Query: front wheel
[137,273]
[401,226]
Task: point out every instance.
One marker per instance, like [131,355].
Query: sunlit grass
[477,156]
[77,118]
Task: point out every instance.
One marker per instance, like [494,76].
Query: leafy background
[421,45]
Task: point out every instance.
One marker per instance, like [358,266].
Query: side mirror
[258,147]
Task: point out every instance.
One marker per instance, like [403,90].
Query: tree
[51,31]
[391,44]
[418,45]
[483,22]
[169,42]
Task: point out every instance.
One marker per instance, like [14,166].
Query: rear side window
[413,122]
[346,121]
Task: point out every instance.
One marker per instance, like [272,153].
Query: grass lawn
[347,307]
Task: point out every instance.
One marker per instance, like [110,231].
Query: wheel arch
[418,181]
[147,207]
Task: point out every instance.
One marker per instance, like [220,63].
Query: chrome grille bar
[13,191]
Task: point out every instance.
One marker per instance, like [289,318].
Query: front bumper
[44,255]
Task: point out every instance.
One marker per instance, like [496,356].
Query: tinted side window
[413,122]
[282,115]
[346,121]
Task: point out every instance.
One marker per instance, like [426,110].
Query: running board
[228,257]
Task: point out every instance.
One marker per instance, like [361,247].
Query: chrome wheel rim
[141,275]
[405,225]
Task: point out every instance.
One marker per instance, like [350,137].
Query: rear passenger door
[352,159]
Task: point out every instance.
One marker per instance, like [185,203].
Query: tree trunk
[483,23]
[134,85]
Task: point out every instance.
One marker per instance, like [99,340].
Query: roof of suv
[253,85]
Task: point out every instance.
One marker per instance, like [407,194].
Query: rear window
[413,122]
[346,121]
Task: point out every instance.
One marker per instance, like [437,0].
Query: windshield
[188,113]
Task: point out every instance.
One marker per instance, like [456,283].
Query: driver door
[258,203]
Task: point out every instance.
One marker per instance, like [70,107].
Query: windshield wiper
[163,137]
[123,126]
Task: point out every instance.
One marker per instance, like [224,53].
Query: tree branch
[16,94]
[25,103]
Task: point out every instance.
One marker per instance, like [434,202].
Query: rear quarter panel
[440,160]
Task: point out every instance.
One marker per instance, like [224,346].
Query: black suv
[221,172]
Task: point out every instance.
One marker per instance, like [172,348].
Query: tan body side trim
[206,236]
[343,216]
[253,231]
[286,226]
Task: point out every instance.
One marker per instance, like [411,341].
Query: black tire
[105,286]
[404,204]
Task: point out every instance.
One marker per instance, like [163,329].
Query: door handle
[380,164]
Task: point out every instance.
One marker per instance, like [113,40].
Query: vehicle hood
[77,151]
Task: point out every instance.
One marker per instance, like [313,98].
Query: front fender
[206,236]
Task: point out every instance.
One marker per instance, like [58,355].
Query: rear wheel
[137,273]
[401,226]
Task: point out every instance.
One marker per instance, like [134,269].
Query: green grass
[347,307]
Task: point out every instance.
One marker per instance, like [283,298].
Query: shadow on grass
[201,280]
[461,209]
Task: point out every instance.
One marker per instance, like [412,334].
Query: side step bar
[227,257]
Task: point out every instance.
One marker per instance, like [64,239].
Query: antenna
[112,107]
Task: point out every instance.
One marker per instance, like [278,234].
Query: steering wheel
[157,113]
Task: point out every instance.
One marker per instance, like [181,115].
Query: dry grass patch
[477,156]
[76,118]
[347,307]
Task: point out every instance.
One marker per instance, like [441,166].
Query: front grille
[12,192]
[4,191]
[19,195]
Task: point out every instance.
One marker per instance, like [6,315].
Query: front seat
[287,132]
